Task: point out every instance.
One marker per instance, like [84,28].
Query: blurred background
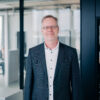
[20,29]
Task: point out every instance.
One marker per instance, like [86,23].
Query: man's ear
[42,30]
[58,29]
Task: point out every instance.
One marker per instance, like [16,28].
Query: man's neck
[51,44]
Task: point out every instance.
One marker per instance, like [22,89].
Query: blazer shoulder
[68,48]
[36,48]
[69,51]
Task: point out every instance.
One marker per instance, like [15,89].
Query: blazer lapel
[43,60]
[59,60]
[58,64]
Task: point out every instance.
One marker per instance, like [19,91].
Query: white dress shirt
[51,60]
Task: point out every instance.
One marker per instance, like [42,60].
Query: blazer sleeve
[29,79]
[75,77]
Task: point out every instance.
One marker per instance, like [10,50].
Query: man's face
[50,29]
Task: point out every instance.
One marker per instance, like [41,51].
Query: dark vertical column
[21,43]
[98,8]
[88,49]
[98,66]
[98,46]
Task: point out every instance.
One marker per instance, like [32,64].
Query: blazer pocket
[36,61]
[66,64]
[66,61]
[37,67]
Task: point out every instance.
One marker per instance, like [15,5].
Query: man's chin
[50,39]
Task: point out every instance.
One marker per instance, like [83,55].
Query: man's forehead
[49,19]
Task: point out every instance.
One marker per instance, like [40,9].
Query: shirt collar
[57,46]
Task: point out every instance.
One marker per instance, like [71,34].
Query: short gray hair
[50,16]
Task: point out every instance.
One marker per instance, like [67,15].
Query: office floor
[2,83]
[13,85]
[11,91]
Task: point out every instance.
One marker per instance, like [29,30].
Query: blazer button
[46,85]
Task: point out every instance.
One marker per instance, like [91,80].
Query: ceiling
[11,4]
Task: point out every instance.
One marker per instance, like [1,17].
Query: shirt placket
[51,72]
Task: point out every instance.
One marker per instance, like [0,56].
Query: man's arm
[75,77]
[29,79]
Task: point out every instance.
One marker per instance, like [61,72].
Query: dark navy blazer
[66,78]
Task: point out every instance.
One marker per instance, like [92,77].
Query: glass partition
[9,59]
[69,24]
[68,21]
[9,52]
[2,71]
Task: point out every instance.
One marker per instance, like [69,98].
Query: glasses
[51,27]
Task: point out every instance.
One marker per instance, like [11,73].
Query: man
[52,67]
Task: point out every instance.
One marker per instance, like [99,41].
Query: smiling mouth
[50,33]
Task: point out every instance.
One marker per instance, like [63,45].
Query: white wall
[1,31]
[13,75]
[28,30]
[13,20]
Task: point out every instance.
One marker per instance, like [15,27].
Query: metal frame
[21,44]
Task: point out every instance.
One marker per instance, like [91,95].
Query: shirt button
[51,68]
[50,85]
[50,94]
[50,77]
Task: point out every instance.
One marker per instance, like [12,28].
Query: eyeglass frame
[51,27]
